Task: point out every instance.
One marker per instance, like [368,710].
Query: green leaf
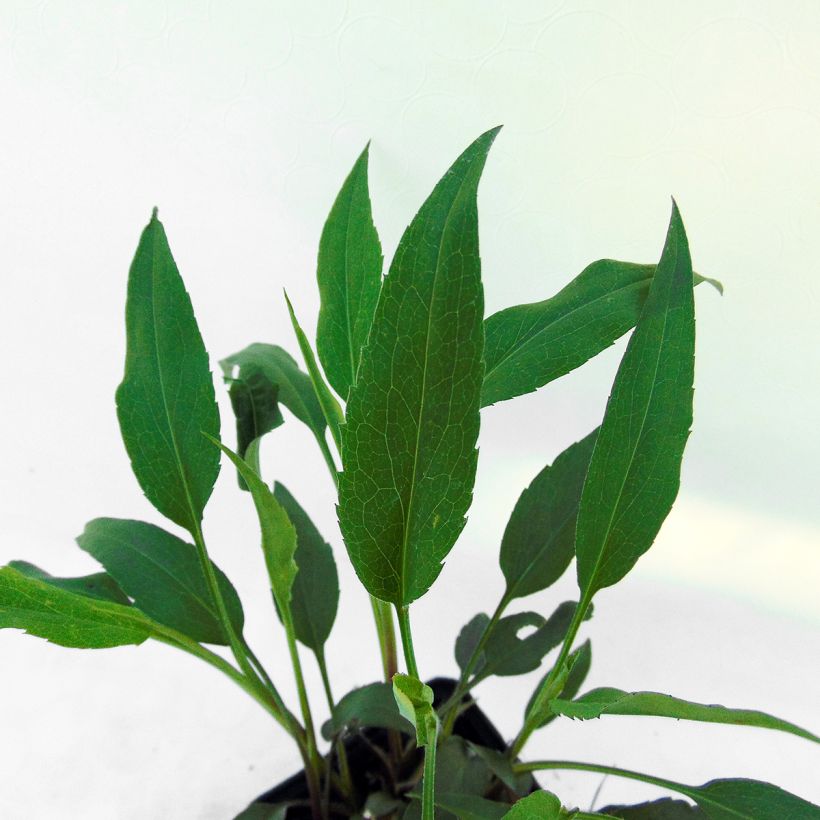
[468,639]
[608,701]
[409,444]
[460,769]
[315,594]
[99,585]
[371,705]
[166,399]
[349,273]
[502,767]
[294,385]
[749,800]
[528,346]
[664,809]
[265,811]
[256,409]
[541,805]
[415,702]
[67,618]
[470,806]
[507,654]
[163,575]
[578,665]
[539,541]
[278,533]
[634,472]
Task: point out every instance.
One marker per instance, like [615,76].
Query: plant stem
[403,614]
[428,787]
[322,663]
[533,718]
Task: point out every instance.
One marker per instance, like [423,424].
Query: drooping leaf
[664,809]
[278,534]
[67,618]
[254,399]
[507,654]
[415,701]
[634,472]
[528,346]
[99,585]
[409,444]
[468,639]
[578,665]
[166,399]
[349,273]
[163,575]
[740,799]
[294,385]
[541,805]
[371,705]
[608,701]
[501,766]
[539,541]
[315,594]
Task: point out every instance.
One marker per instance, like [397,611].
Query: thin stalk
[532,721]
[322,663]
[428,786]
[403,614]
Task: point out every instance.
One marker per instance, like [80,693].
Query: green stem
[450,709]
[403,614]
[320,660]
[534,717]
[543,765]
[428,788]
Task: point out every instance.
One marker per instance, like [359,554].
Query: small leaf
[528,346]
[256,408]
[294,385]
[749,800]
[163,575]
[99,585]
[507,654]
[265,811]
[664,809]
[468,639]
[459,769]
[578,665]
[539,541]
[634,472]
[349,273]
[607,701]
[278,533]
[166,399]
[371,705]
[67,618]
[415,702]
[502,767]
[470,806]
[315,594]
[540,805]
[409,442]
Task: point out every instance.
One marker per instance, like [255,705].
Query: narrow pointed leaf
[607,701]
[409,443]
[278,533]
[749,800]
[539,541]
[664,809]
[578,665]
[254,400]
[163,575]
[634,472]
[540,805]
[371,705]
[295,390]
[99,585]
[67,618]
[349,273]
[528,346]
[166,399]
[315,594]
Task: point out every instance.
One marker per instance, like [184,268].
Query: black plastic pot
[364,750]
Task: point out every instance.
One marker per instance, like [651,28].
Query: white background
[240,120]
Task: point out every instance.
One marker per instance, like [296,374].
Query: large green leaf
[540,805]
[315,594]
[164,576]
[67,618]
[664,809]
[99,585]
[634,472]
[371,705]
[539,541]
[528,346]
[608,701]
[409,444]
[749,800]
[349,272]
[166,399]
[295,390]
[278,534]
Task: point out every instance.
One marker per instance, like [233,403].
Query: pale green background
[239,120]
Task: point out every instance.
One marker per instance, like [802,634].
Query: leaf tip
[155,214]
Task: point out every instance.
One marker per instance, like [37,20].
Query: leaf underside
[371,705]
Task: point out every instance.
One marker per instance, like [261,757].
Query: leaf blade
[166,398]
[99,585]
[408,447]
[371,705]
